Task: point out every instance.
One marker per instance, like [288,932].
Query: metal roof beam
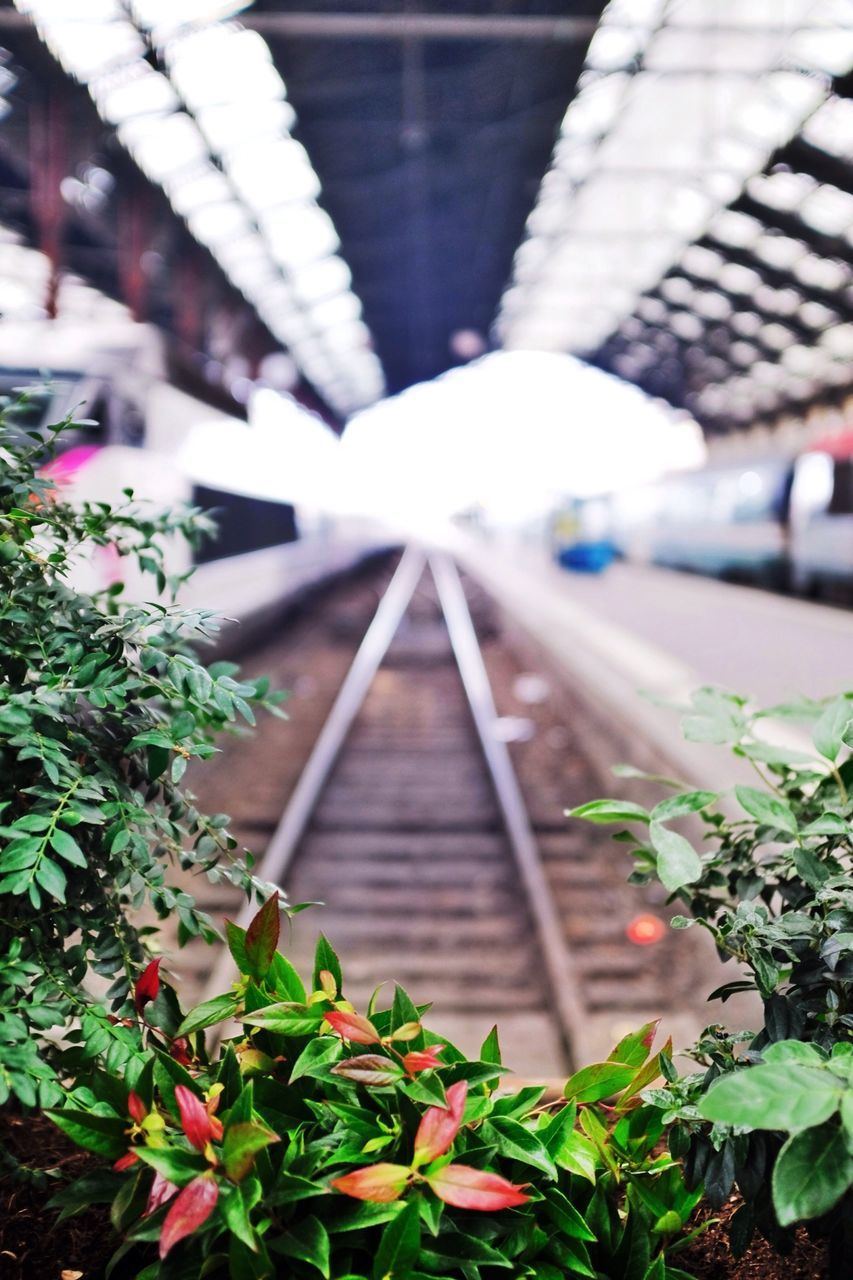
[429,26]
[456,26]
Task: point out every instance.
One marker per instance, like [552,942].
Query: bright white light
[284,453]
[513,434]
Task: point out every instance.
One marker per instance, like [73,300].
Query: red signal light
[645,930]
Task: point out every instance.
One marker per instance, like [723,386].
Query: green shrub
[102,706]
[320,1141]
[770,880]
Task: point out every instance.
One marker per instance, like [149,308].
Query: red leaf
[422,1059]
[261,937]
[380,1183]
[440,1125]
[192,1207]
[195,1121]
[371,1069]
[179,1049]
[467,1188]
[161,1191]
[136,1108]
[353,1027]
[148,986]
[125,1162]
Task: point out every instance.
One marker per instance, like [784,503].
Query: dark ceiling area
[430,152]
[430,130]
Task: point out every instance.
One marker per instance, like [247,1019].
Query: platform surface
[637,630]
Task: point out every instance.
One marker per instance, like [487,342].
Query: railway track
[408,822]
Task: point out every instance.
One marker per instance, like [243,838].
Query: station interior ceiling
[385,190]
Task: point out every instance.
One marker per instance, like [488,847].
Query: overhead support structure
[426,26]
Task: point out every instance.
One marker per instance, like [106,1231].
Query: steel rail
[563,978]
[303,800]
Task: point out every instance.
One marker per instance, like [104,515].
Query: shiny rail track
[452,899]
[407,821]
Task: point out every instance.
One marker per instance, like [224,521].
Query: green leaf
[679,806]
[810,868]
[325,958]
[793,1051]
[67,847]
[308,1241]
[52,878]
[316,1057]
[811,1174]
[605,811]
[236,1215]
[399,1245]
[678,863]
[847,1118]
[773,1096]
[766,809]
[174,1163]
[564,1215]
[240,1145]
[284,979]
[577,1154]
[490,1050]
[597,1081]
[514,1142]
[828,733]
[287,1018]
[101,1134]
[208,1013]
[235,937]
[634,1048]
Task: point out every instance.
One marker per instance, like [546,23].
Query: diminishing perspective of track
[408,823]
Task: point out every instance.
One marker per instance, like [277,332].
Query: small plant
[322,1141]
[770,880]
[102,707]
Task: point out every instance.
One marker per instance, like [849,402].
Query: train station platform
[638,639]
[250,592]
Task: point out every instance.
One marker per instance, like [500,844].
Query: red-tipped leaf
[148,986]
[353,1027]
[136,1108]
[191,1209]
[440,1125]
[467,1188]
[261,938]
[422,1059]
[195,1121]
[161,1192]
[179,1050]
[373,1070]
[380,1183]
[125,1162]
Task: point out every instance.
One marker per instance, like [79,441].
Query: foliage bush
[320,1141]
[770,880]
[357,1146]
[102,706]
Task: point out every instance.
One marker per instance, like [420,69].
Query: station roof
[664,189]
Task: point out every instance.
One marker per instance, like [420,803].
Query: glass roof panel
[831,127]
[718,74]
[225,74]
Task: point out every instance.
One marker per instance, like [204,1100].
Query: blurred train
[781,521]
[130,424]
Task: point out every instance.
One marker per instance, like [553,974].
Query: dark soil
[709,1258]
[32,1246]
